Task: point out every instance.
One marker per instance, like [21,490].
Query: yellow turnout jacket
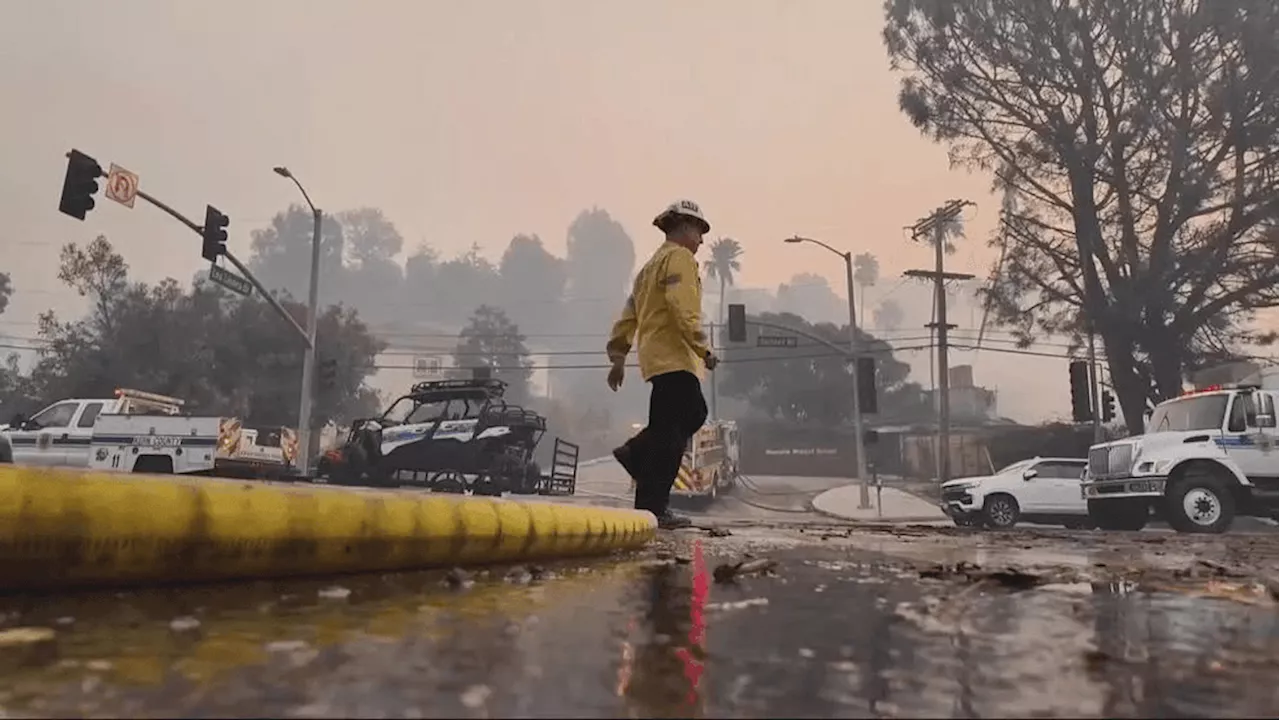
[663,315]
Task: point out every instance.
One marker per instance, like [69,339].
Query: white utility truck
[143,432]
[1205,458]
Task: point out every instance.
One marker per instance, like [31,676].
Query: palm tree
[866,271]
[722,266]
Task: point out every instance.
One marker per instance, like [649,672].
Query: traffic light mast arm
[271,300]
[174,213]
[275,304]
[802,333]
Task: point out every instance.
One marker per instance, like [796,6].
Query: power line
[38,344]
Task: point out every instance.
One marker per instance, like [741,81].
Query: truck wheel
[1120,514]
[1200,504]
[1000,512]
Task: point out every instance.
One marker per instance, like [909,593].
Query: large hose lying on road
[67,528]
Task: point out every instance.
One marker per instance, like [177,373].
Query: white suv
[1038,490]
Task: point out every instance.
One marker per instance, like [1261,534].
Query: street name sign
[230,280]
[775,341]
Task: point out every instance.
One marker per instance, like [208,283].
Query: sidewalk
[899,507]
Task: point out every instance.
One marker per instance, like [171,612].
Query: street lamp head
[282,171]
[796,239]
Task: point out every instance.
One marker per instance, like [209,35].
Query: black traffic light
[214,233]
[328,374]
[79,185]
[1108,406]
[1081,406]
[867,400]
[737,322]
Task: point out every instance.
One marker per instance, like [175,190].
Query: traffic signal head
[737,322]
[866,378]
[79,185]
[1081,404]
[328,374]
[1108,406]
[214,233]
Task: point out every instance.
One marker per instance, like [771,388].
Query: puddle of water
[828,637]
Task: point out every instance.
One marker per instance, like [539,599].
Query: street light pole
[864,492]
[309,358]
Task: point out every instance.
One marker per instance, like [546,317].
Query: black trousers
[676,411]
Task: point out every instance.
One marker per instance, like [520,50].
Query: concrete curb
[904,520]
[594,461]
[891,520]
[67,528]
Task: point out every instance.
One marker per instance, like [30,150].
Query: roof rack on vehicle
[492,386]
[148,397]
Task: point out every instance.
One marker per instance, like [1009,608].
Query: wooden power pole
[933,226]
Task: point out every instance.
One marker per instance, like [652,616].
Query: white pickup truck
[1205,458]
[144,432]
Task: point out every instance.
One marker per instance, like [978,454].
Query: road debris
[185,623]
[729,572]
[1010,577]
[670,556]
[738,604]
[458,579]
[335,592]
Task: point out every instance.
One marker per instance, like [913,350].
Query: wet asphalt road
[840,622]
[832,629]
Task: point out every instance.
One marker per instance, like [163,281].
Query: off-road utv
[453,436]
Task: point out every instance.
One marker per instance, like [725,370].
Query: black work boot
[668,520]
[627,460]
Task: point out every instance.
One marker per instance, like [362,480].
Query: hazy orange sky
[472,121]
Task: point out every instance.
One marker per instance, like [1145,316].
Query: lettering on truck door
[1248,440]
[80,435]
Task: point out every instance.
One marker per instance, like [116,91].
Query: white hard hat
[682,208]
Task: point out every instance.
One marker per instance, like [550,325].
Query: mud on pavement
[797,621]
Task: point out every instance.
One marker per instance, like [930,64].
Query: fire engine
[710,463]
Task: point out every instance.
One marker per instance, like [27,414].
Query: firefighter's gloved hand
[711,360]
[615,375]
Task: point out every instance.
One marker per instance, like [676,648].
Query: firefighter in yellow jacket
[663,317]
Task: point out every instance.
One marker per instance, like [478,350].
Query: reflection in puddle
[830,638]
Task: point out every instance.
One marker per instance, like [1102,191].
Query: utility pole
[711,342]
[1095,401]
[859,442]
[307,396]
[934,226]
[1095,381]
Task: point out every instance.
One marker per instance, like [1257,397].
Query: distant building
[969,403]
